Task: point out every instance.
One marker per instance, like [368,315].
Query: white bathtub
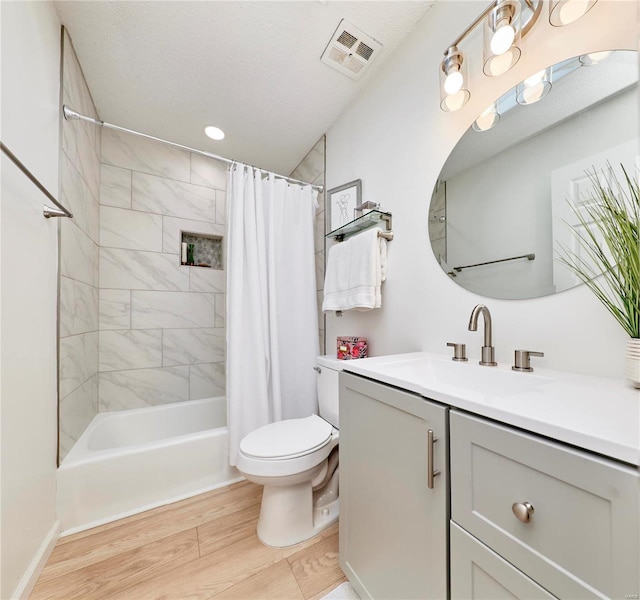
[133,460]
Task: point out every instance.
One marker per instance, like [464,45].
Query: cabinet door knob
[522,511]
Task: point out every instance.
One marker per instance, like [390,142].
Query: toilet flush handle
[317,369]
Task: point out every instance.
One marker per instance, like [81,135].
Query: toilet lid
[287,439]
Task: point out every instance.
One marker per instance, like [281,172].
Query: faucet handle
[523,360]
[459,351]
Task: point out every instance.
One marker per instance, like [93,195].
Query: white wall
[29,249]
[396,139]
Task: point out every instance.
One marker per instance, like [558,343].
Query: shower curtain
[272,319]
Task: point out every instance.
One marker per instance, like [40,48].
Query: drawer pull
[430,472]
[522,511]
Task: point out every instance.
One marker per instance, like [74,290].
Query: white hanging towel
[356,269]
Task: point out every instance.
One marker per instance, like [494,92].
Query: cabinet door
[580,538]
[479,573]
[393,527]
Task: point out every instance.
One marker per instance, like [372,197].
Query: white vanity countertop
[595,413]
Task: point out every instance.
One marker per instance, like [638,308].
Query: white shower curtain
[272,319]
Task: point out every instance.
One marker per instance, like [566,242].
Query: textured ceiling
[251,68]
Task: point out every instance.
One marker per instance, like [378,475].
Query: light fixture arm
[534,5]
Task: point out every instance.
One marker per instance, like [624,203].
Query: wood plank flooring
[202,548]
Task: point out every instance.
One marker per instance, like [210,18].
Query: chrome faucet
[488,351]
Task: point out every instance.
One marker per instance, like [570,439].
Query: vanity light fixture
[501,34]
[565,12]
[488,119]
[215,133]
[534,88]
[453,77]
[505,23]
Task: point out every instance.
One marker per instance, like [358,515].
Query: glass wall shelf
[367,220]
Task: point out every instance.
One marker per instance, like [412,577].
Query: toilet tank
[328,387]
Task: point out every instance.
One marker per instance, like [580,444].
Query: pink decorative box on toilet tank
[351,347]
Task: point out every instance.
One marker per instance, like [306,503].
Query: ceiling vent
[350,50]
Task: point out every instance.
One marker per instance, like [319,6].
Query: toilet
[296,460]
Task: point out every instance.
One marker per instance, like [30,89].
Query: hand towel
[356,269]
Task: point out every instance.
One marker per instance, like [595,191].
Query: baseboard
[28,581]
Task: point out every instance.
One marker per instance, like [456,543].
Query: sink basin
[490,381]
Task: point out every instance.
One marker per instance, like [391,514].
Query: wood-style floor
[200,548]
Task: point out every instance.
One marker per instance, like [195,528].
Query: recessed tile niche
[207,250]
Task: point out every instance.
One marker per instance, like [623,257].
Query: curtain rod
[70,114]
[47,211]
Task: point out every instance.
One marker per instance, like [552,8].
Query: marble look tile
[79,143]
[129,229]
[319,270]
[320,298]
[221,207]
[439,249]
[74,82]
[78,307]
[221,310]
[192,346]
[173,198]
[124,150]
[321,199]
[77,197]
[208,172]
[173,227]
[207,381]
[172,310]
[115,309]
[137,270]
[312,165]
[78,254]
[78,360]
[130,349]
[115,186]
[76,412]
[437,229]
[121,390]
[207,280]
[318,232]
[439,201]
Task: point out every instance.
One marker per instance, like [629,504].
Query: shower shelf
[367,220]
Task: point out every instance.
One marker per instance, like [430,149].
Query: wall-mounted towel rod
[491,262]
[387,235]
[47,211]
[71,114]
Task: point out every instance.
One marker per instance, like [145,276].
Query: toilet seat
[287,439]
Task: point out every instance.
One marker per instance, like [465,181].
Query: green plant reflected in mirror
[499,207]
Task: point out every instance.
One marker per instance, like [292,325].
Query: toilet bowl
[296,460]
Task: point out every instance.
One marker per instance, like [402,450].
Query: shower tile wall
[79,237]
[312,169]
[162,325]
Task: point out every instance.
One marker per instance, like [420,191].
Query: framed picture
[342,202]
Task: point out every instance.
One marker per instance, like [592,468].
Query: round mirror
[500,207]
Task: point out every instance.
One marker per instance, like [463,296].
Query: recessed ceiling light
[215,133]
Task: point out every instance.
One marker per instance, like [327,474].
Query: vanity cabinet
[393,525]
[576,529]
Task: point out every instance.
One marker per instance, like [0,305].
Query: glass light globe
[502,39]
[453,82]
[534,80]
[572,11]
